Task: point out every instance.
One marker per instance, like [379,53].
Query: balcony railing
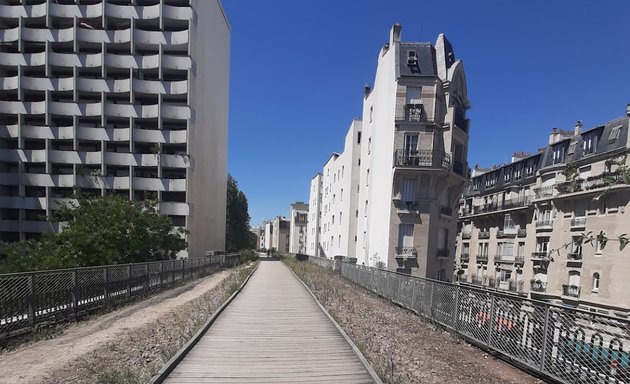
[466,235]
[542,192]
[538,286]
[571,290]
[578,222]
[521,232]
[410,205]
[442,253]
[506,204]
[540,255]
[519,260]
[482,258]
[484,234]
[574,256]
[464,256]
[422,159]
[414,112]
[406,252]
[544,223]
[503,258]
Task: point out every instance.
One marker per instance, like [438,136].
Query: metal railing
[565,344]
[518,202]
[32,299]
[483,258]
[538,286]
[544,223]
[422,159]
[322,261]
[578,222]
[409,252]
[571,290]
[484,234]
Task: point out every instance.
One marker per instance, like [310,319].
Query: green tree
[237,233]
[98,231]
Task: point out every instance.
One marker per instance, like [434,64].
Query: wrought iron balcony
[571,290]
[415,113]
[466,235]
[442,253]
[506,204]
[484,234]
[406,252]
[540,255]
[464,256]
[574,256]
[538,286]
[578,222]
[410,205]
[503,258]
[544,224]
[519,260]
[521,232]
[482,258]
[422,159]
[548,191]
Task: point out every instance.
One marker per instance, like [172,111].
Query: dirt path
[33,362]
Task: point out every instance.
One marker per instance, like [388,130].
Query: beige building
[276,234]
[520,223]
[298,227]
[117,97]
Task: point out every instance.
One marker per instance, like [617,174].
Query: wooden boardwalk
[273,332]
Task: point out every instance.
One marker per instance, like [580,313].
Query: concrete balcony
[75,109]
[17,202]
[426,159]
[545,192]
[72,10]
[174,208]
[132,12]
[149,184]
[159,37]
[74,157]
[160,87]
[570,290]
[175,161]
[177,13]
[176,62]
[28,11]
[23,155]
[406,253]
[170,111]
[70,60]
[159,136]
[504,259]
[23,59]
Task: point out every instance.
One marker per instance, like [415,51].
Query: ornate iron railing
[571,290]
[422,159]
[406,252]
[29,300]
[564,344]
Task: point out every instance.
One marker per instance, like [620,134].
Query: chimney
[394,34]
[628,110]
[366,90]
[553,137]
[578,128]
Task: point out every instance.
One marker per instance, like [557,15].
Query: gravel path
[402,347]
[32,363]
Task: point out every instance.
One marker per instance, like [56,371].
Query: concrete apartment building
[411,164]
[339,190]
[298,227]
[277,234]
[125,97]
[520,222]
[313,227]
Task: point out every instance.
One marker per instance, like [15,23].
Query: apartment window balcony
[521,232]
[540,255]
[466,235]
[422,159]
[520,202]
[482,258]
[574,256]
[544,225]
[570,290]
[406,253]
[538,286]
[578,222]
[464,257]
[519,260]
[544,192]
[415,113]
[484,234]
[503,259]
[410,205]
[442,253]
[444,210]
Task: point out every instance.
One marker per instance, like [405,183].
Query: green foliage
[237,233]
[98,231]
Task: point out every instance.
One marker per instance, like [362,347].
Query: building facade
[104,96]
[521,223]
[298,239]
[313,227]
[408,165]
[276,234]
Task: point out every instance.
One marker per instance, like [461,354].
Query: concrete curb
[170,365]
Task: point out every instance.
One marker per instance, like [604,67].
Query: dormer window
[558,154]
[614,134]
[412,59]
[590,143]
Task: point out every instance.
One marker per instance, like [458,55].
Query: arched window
[596,281]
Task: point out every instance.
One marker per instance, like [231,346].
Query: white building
[277,234]
[339,191]
[298,227]
[411,164]
[115,97]
[314,216]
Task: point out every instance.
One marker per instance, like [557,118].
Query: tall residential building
[408,165]
[521,223]
[126,97]
[339,190]
[277,234]
[313,227]
[298,227]
[413,158]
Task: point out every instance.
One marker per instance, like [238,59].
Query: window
[367,178]
[542,244]
[405,235]
[366,207]
[508,223]
[369,145]
[371,112]
[521,249]
[574,278]
[442,238]
[412,59]
[408,190]
[341,195]
[595,281]
[342,169]
[413,95]
[590,143]
[558,154]
[358,137]
[572,146]
[614,134]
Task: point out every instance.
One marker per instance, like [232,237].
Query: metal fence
[28,300]
[565,344]
[322,261]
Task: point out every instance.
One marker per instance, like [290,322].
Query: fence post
[172,271]
[183,269]
[491,321]
[75,292]
[456,311]
[545,338]
[147,277]
[106,285]
[31,299]
[431,300]
[161,273]
[128,280]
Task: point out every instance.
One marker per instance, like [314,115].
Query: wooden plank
[273,332]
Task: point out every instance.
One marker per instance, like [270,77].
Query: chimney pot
[578,128]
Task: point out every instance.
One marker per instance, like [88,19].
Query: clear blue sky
[298,70]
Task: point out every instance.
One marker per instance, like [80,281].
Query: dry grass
[137,356]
